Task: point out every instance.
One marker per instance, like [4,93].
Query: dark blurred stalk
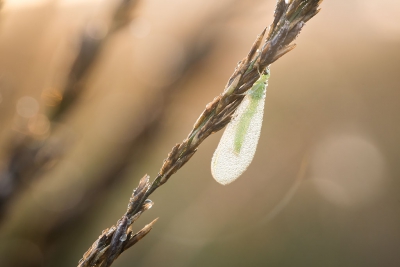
[92,40]
[28,155]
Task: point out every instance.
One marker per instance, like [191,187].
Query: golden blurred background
[323,189]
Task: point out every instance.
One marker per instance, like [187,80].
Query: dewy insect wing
[238,144]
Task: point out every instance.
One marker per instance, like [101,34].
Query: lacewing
[238,143]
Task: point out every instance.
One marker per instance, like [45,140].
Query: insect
[238,143]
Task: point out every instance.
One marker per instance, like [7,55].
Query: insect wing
[227,163]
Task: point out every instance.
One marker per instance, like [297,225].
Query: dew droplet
[123,237]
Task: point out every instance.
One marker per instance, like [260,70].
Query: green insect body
[256,94]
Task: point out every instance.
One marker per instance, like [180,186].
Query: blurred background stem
[29,154]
